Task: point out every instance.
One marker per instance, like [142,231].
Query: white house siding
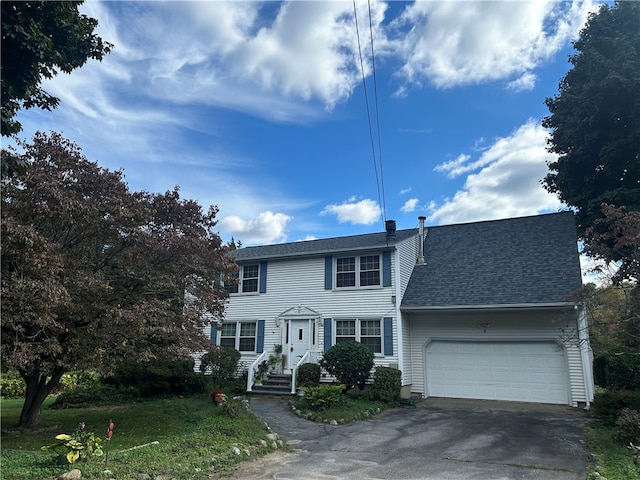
[509,325]
[293,282]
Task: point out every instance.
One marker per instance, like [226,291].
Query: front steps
[274,384]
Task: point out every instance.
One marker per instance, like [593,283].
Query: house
[484,310]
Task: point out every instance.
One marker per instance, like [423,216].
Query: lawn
[610,459]
[195,440]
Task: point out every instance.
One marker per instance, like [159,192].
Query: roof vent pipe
[421,220]
[390,227]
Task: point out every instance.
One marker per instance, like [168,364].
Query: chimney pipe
[421,220]
[390,227]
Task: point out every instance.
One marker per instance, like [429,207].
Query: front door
[299,340]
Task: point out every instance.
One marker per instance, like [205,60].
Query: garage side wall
[498,326]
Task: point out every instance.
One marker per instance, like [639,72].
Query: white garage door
[519,371]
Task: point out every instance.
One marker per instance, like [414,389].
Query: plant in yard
[81,444]
[308,375]
[350,363]
[220,364]
[323,397]
[261,371]
[218,397]
[628,426]
[387,383]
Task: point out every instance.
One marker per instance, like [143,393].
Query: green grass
[195,440]
[610,459]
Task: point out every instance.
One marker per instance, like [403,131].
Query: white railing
[311,356]
[252,369]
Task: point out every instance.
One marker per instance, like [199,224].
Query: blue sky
[259,108]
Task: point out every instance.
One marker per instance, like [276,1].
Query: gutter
[498,306]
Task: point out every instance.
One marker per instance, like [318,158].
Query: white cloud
[404,191]
[364,212]
[267,227]
[461,43]
[508,182]
[455,167]
[409,206]
[526,82]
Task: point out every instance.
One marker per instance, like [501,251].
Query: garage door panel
[520,371]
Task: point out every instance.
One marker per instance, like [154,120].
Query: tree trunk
[38,388]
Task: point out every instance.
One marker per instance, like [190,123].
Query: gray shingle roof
[528,260]
[374,241]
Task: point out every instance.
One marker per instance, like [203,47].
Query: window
[245,280]
[367,332]
[239,335]
[367,267]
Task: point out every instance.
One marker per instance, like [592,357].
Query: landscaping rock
[235,450]
[74,474]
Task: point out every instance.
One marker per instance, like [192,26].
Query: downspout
[585,349]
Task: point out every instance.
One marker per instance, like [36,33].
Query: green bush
[220,364]
[609,403]
[308,375]
[350,363]
[323,397]
[174,377]
[12,386]
[618,371]
[387,383]
[628,426]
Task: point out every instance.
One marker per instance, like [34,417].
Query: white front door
[299,340]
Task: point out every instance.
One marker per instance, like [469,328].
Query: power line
[366,98]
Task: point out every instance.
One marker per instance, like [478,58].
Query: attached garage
[531,371]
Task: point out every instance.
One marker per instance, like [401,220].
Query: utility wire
[366,99]
[375,94]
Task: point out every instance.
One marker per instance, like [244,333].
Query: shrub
[609,403]
[387,383]
[617,371]
[12,386]
[323,397]
[350,363]
[220,364]
[93,395]
[81,444]
[308,375]
[628,426]
[162,377]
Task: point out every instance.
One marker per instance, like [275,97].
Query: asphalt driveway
[439,439]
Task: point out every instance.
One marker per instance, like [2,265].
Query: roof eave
[505,306]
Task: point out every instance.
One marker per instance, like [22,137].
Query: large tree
[595,128]
[38,40]
[92,272]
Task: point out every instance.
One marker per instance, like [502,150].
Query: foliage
[610,459]
[355,406]
[349,362]
[92,272]
[40,39]
[595,128]
[308,375]
[261,371]
[323,397]
[80,445]
[231,408]
[608,403]
[195,440]
[614,327]
[159,377]
[220,364]
[86,395]
[12,386]
[387,383]
[628,426]
[218,397]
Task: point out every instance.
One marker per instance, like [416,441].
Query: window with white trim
[245,280]
[239,335]
[360,271]
[366,331]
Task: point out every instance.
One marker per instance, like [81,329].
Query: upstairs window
[362,271]
[245,280]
